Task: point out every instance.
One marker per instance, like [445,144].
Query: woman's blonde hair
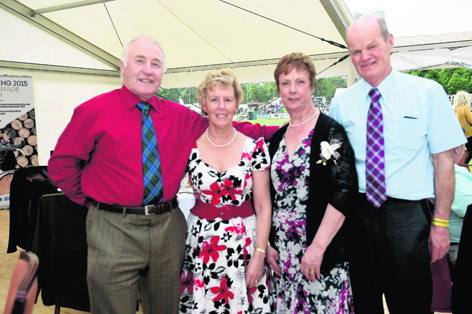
[224,77]
[461,99]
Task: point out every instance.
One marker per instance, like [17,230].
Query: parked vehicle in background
[320,100]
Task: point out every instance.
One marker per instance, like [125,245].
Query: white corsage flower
[328,151]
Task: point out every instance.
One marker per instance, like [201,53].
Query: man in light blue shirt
[395,242]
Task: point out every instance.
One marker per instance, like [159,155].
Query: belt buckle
[146,210]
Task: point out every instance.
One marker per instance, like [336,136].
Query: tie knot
[144,106]
[374,94]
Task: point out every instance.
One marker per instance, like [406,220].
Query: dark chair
[26,187]
[61,244]
[23,285]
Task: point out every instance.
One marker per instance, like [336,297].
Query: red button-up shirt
[98,156]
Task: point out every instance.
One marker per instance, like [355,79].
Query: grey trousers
[127,251]
[391,257]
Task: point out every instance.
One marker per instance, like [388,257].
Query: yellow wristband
[441,220]
[268,244]
[260,250]
[440,223]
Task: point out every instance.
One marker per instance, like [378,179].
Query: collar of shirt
[385,87]
[131,100]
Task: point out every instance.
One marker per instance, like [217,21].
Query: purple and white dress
[292,292]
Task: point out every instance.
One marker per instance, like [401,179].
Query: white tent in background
[434,51]
[197,35]
[72,48]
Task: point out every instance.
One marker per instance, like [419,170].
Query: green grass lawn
[267,121]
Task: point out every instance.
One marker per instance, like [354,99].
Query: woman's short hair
[461,99]
[224,77]
[295,60]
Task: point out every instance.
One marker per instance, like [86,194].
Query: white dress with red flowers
[217,251]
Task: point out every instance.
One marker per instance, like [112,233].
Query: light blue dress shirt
[418,121]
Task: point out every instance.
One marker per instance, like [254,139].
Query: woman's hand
[21,152]
[311,263]
[272,258]
[263,209]
[254,269]
[311,260]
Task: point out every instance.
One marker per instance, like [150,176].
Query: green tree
[262,92]
[244,88]
[460,80]
[254,90]
[170,94]
[270,90]
[327,86]
[432,75]
[452,80]
[188,95]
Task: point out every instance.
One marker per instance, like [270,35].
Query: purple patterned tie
[376,189]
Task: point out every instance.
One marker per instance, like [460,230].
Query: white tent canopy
[72,50]
[434,51]
[198,35]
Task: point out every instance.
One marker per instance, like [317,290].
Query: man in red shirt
[97,162]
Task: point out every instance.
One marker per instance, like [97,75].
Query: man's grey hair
[382,24]
[124,57]
[383,28]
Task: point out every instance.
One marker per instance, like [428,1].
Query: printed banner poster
[17,127]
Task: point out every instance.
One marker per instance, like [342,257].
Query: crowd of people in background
[278,108]
[262,109]
[329,218]
[241,112]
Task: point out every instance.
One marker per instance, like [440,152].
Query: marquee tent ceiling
[197,35]
[71,48]
[434,51]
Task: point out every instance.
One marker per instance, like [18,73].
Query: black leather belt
[146,210]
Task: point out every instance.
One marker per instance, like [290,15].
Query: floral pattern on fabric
[233,186]
[217,251]
[292,292]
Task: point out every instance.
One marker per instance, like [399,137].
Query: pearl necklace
[290,123]
[224,145]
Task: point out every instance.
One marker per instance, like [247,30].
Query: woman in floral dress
[314,185]
[224,269]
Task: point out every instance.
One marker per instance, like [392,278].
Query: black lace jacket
[332,183]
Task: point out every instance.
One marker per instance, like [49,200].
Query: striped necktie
[153,190]
[376,189]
